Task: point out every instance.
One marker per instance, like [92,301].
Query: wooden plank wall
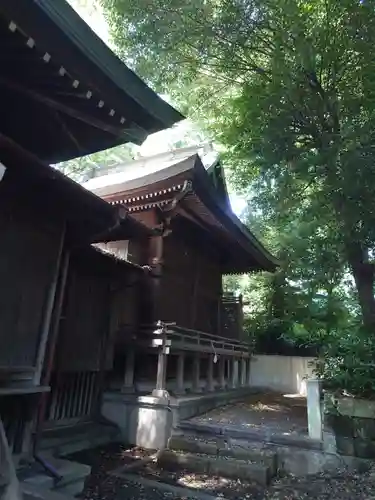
[100,311]
[191,286]
[85,320]
[29,246]
[125,306]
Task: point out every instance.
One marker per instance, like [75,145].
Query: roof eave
[65,17]
[249,242]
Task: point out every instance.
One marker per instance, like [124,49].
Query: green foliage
[79,167]
[287,87]
[347,363]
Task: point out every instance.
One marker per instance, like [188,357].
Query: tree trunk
[363,274]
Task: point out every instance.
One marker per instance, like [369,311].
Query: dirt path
[276,412]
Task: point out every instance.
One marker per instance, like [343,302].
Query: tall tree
[288,87]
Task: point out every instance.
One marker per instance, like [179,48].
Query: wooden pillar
[249,372]
[240,318]
[128,385]
[156,264]
[194,298]
[234,378]
[210,373]
[229,368]
[219,307]
[222,382]
[243,372]
[160,390]
[196,373]
[180,389]
[48,310]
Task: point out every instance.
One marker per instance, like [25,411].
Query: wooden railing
[174,336]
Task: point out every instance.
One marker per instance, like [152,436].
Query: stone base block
[144,421]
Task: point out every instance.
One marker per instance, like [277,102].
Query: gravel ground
[272,410]
[109,457]
[343,485]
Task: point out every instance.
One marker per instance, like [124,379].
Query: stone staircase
[73,476]
[32,492]
[67,440]
[56,444]
[217,456]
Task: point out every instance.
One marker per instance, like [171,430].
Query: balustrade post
[240,317]
[222,381]
[180,389]
[160,390]
[128,385]
[243,372]
[210,378]
[234,381]
[249,372]
[196,373]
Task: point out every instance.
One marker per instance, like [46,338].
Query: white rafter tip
[75,83]
[12,26]
[112,112]
[122,120]
[30,43]
[88,94]
[62,71]
[47,57]
[100,104]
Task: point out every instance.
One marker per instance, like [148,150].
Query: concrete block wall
[287,374]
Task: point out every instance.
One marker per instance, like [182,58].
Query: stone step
[220,447]
[72,439]
[292,454]
[32,492]
[73,476]
[265,436]
[223,466]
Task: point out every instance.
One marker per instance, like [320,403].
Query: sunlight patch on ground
[197,482]
[293,396]
[264,407]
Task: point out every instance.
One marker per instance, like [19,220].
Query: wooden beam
[63,108]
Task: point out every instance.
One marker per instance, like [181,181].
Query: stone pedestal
[314,413]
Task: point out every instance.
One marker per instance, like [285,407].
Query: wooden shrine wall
[85,319]
[191,286]
[100,311]
[29,247]
[125,306]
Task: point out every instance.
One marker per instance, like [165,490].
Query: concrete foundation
[148,421]
[143,421]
